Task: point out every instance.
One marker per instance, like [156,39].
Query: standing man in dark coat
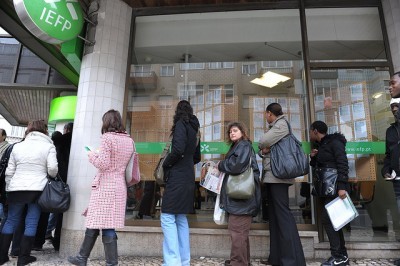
[178,198]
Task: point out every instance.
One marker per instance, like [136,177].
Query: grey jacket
[277,130]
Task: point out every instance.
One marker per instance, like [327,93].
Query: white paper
[213,179]
[341,212]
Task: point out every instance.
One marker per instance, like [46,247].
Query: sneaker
[336,261]
[391,177]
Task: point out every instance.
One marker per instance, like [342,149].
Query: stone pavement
[49,257]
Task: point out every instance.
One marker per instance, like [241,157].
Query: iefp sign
[52,21]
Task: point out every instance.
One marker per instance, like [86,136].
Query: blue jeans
[15,214]
[176,244]
[51,225]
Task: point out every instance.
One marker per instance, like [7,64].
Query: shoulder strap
[290,128]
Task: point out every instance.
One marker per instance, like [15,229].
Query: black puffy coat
[236,162]
[332,154]
[178,197]
[391,161]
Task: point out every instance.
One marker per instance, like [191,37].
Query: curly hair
[183,111]
[241,126]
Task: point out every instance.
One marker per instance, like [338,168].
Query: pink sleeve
[102,159]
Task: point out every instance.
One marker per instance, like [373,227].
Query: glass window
[249,68]
[31,69]
[141,71]
[220,65]
[356,104]
[56,78]
[192,66]
[345,34]
[167,71]
[9,48]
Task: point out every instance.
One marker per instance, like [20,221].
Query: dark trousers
[40,237]
[57,232]
[239,228]
[285,244]
[336,238]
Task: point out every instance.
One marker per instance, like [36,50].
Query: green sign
[222,147]
[62,109]
[52,21]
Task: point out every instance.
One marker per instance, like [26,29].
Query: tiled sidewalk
[51,258]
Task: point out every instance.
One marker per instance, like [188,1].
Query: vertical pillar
[101,87]
[391,11]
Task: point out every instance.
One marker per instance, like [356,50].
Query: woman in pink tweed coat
[107,203]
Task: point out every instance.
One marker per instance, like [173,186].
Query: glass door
[355,102]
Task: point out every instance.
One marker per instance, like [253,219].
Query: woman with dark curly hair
[178,198]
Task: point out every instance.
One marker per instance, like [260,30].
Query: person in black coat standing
[241,211]
[178,196]
[331,153]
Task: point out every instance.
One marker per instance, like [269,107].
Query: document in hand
[341,212]
[213,179]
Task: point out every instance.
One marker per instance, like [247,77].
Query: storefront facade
[337,57]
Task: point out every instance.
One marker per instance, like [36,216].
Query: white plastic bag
[220,215]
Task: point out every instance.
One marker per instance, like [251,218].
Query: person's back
[30,162]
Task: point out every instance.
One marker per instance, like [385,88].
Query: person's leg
[291,250]
[171,254]
[57,231]
[51,225]
[40,237]
[86,247]
[31,223]
[17,237]
[183,238]
[274,251]
[336,238]
[239,228]
[109,238]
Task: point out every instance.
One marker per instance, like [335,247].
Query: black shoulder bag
[288,159]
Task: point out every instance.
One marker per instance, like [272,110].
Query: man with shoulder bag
[331,180]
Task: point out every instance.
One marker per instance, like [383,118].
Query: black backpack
[3,167]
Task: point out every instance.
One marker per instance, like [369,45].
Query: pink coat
[108,198]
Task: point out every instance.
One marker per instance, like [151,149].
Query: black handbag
[55,197]
[325,182]
[288,159]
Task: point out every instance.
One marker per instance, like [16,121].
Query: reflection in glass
[8,58]
[31,69]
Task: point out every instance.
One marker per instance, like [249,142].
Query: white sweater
[29,163]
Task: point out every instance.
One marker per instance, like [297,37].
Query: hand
[313,152]
[342,194]
[265,150]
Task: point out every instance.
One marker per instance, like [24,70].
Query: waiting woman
[241,211]
[26,176]
[285,244]
[331,153]
[107,204]
[178,196]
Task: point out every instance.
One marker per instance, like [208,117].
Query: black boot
[110,250]
[24,256]
[5,242]
[86,247]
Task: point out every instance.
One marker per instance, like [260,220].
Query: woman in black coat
[331,153]
[240,212]
[178,198]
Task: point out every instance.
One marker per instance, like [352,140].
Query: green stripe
[373,147]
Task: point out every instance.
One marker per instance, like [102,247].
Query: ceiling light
[377,95]
[269,79]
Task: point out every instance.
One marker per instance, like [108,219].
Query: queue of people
[108,190]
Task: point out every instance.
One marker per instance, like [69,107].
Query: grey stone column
[101,87]
[391,10]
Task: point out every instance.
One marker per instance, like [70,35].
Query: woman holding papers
[240,211]
[331,154]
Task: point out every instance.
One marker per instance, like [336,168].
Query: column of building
[391,10]
[101,88]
